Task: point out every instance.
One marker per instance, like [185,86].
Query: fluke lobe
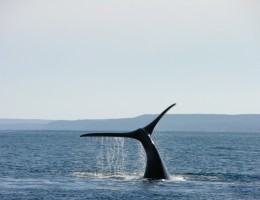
[155,168]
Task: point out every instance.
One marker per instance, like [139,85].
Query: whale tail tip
[150,127]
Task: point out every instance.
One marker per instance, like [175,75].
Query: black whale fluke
[155,168]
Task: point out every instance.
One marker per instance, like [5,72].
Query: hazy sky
[76,59]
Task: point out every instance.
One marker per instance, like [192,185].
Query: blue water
[61,165]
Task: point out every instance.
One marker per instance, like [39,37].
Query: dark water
[61,165]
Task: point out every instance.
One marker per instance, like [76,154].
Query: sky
[100,59]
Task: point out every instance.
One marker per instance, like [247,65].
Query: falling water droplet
[111,156]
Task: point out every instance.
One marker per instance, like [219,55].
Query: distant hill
[23,124]
[171,122]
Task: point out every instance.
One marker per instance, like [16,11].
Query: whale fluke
[155,168]
[149,128]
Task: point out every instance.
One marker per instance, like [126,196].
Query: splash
[141,158]
[111,156]
[124,176]
[178,178]
[119,176]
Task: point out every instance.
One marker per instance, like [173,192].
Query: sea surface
[61,165]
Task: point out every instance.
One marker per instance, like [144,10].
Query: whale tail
[155,168]
[147,129]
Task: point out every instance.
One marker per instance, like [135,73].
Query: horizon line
[45,119]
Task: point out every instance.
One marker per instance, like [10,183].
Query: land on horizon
[171,122]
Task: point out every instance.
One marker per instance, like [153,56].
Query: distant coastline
[171,122]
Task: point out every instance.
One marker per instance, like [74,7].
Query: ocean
[61,165]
